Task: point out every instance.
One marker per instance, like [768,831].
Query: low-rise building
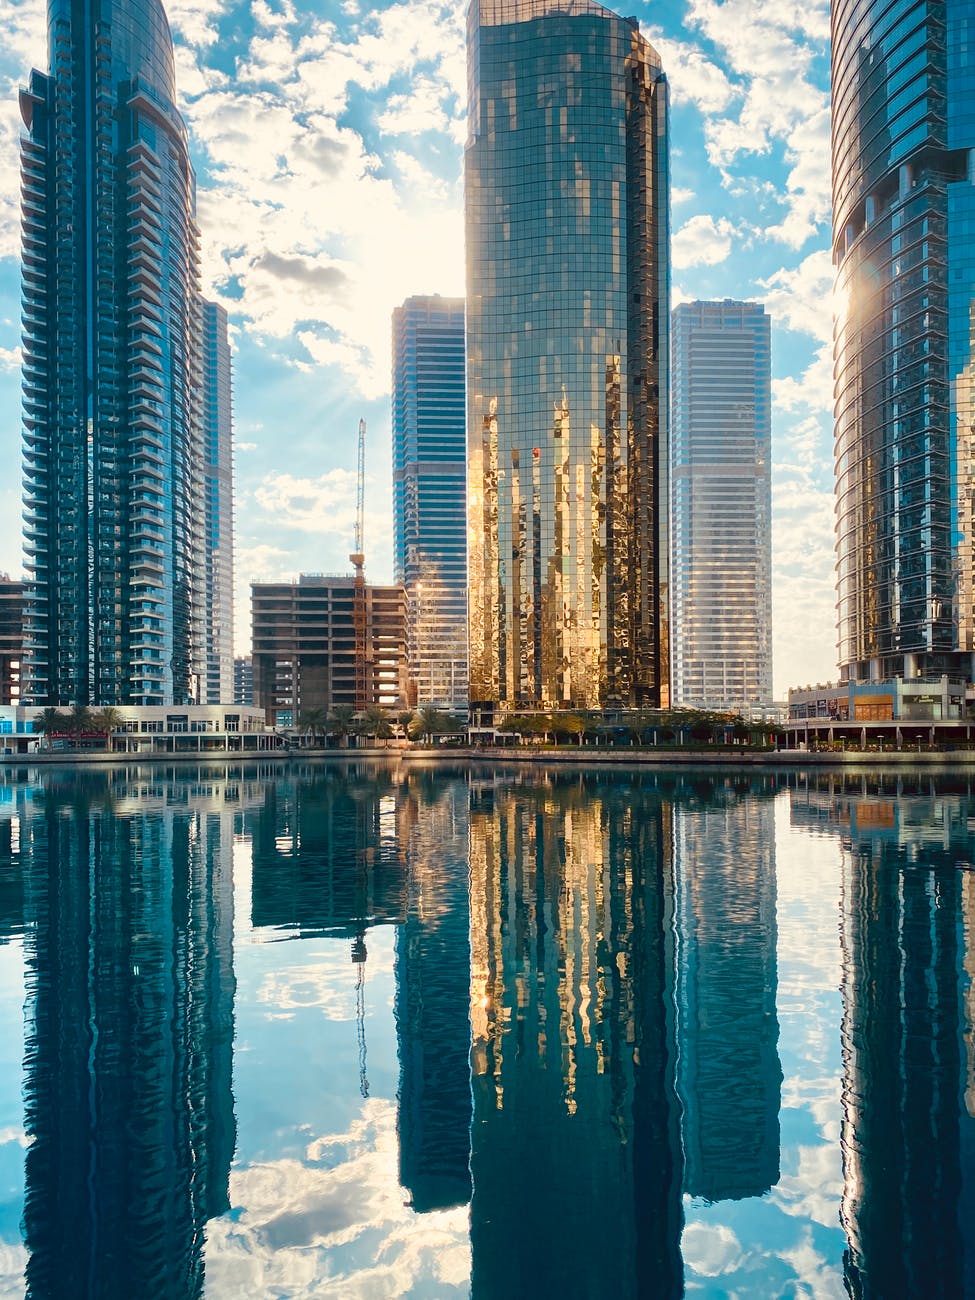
[899,710]
[143,729]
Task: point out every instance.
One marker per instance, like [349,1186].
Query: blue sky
[328,144]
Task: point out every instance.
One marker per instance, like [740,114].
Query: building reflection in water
[585,989]
[130,991]
[326,853]
[728,1075]
[574,1144]
[433,979]
[338,851]
[908,940]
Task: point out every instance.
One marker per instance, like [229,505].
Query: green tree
[341,721]
[571,724]
[314,722]
[376,722]
[80,720]
[429,721]
[108,719]
[50,720]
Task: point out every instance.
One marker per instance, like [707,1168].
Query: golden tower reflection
[575,1115]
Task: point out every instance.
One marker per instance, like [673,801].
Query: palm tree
[429,721]
[50,720]
[376,722]
[314,721]
[107,720]
[80,720]
[404,720]
[342,721]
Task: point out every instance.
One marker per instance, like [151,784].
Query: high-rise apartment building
[430,493]
[112,373]
[217,686]
[567,334]
[903,89]
[721,490]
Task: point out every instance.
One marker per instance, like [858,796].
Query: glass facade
[721,501]
[567,336]
[430,493]
[111,365]
[904,248]
[217,686]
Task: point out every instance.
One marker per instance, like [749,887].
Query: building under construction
[325,641]
[11,638]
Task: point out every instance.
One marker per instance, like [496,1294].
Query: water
[361,1031]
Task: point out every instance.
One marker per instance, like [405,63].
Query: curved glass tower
[904,246]
[567,336]
[112,366]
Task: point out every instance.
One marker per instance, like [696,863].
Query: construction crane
[358,560]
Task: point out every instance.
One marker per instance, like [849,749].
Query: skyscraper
[567,335]
[430,493]
[721,485]
[903,216]
[112,447]
[218,483]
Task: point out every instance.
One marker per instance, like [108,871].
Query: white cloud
[313,505]
[419,109]
[772,51]
[326,986]
[800,298]
[9,358]
[195,20]
[307,231]
[808,182]
[702,241]
[711,1249]
[813,390]
[336,1224]
[691,76]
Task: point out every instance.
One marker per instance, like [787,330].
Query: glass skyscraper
[112,366]
[721,490]
[218,484]
[904,248]
[429,493]
[567,336]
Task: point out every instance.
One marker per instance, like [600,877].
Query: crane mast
[358,560]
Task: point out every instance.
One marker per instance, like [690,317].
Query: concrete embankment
[526,756]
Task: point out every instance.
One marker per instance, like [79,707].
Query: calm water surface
[360,1031]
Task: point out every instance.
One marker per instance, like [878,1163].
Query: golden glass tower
[567,338]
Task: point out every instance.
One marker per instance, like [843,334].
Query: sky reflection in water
[363,1030]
